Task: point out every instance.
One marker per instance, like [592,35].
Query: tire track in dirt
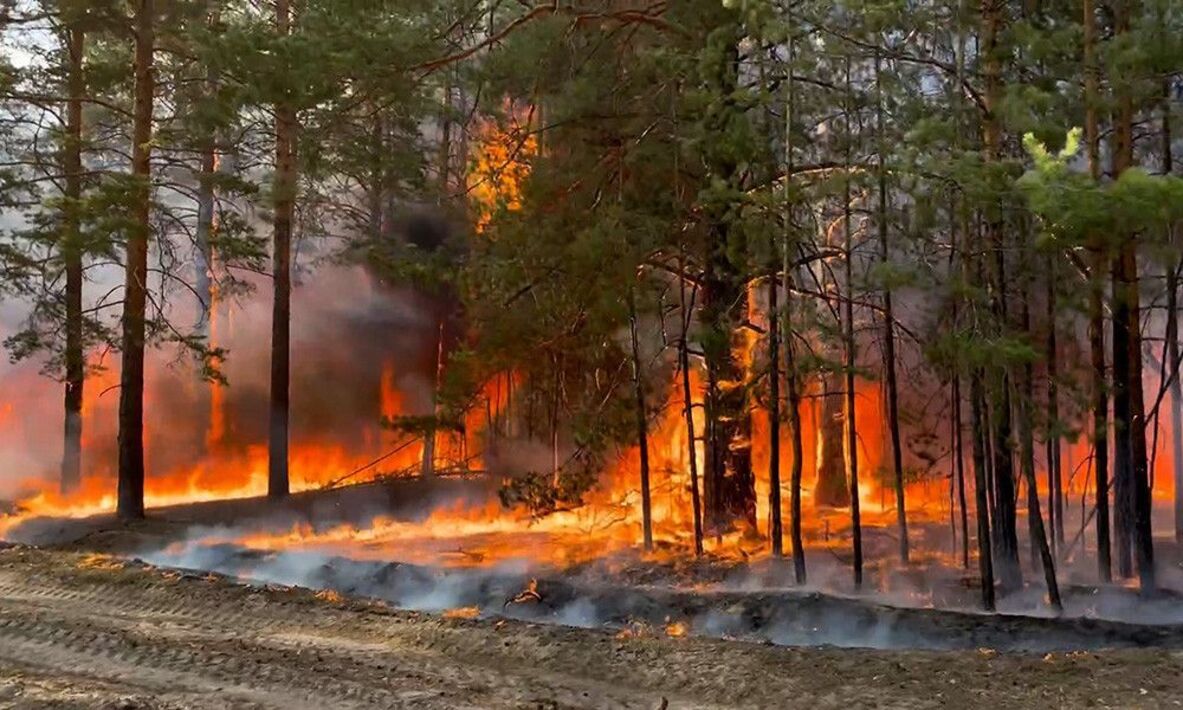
[164,637]
[77,635]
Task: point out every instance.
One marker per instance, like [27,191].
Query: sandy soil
[85,631]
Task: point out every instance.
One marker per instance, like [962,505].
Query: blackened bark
[792,380]
[775,528]
[1054,468]
[851,425]
[994,20]
[642,426]
[1172,336]
[72,250]
[281,314]
[1100,393]
[729,487]
[131,377]
[831,488]
[688,409]
[1039,541]
[1100,385]
[889,356]
[959,463]
[985,548]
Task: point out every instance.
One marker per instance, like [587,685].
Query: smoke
[351,336]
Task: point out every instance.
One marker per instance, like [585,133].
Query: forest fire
[393,354]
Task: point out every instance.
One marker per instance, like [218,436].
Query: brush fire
[659,349]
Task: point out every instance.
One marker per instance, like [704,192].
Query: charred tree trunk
[831,488]
[131,376]
[1100,385]
[642,426]
[1055,482]
[793,383]
[688,409]
[1100,392]
[729,488]
[281,315]
[889,356]
[959,464]
[1039,537]
[985,548]
[775,529]
[792,379]
[1133,479]
[72,251]
[851,427]
[1172,336]
[1006,540]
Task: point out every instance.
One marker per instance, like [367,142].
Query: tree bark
[131,376]
[688,409]
[993,23]
[985,548]
[278,485]
[1100,385]
[959,463]
[1172,356]
[1172,334]
[889,356]
[851,355]
[1039,537]
[72,251]
[792,379]
[775,529]
[642,426]
[1054,468]
[1134,503]
[729,489]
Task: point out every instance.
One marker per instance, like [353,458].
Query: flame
[464,612]
[501,164]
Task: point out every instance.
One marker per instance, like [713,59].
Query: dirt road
[89,631]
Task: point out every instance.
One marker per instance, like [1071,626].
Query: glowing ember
[466,612]
[677,629]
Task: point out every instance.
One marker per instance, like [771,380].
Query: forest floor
[80,630]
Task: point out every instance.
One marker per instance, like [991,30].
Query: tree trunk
[1039,541]
[851,355]
[72,256]
[889,356]
[775,530]
[959,462]
[1055,482]
[1006,539]
[203,266]
[1172,336]
[1134,497]
[985,548]
[792,379]
[281,315]
[1100,385]
[642,426]
[131,376]
[729,489]
[688,408]
[831,488]
[1100,392]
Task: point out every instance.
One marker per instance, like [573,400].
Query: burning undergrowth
[588,598]
[482,570]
